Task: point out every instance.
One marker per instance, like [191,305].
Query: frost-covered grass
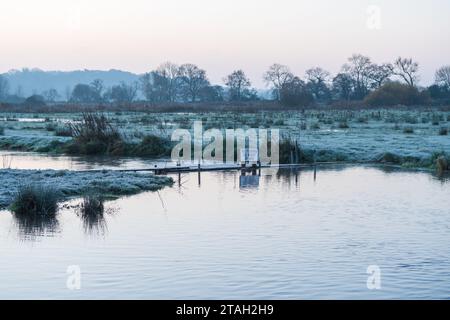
[329,135]
[76,183]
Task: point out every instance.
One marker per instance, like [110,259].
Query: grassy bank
[68,184]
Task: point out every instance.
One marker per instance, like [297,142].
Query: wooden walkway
[164,169]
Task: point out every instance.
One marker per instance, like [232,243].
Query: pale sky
[220,36]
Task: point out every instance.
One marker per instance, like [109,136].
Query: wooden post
[179,179]
[315,166]
[199,181]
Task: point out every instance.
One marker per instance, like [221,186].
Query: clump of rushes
[92,205]
[35,199]
[443,131]
[94,134]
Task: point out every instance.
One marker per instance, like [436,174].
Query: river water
[278,235]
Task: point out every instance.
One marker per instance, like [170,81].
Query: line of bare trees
[358,78]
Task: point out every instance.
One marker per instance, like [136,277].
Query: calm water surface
[281,236]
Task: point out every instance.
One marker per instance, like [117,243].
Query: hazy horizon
[221,36]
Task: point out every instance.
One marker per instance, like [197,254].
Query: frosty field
[411,138]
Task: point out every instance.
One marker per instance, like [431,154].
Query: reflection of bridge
[165,169]
[253,169]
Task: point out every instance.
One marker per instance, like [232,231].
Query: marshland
[284,233]
[367,187]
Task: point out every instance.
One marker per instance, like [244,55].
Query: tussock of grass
[94,134]
[35,199]
[92,205]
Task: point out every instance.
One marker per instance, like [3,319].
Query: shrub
[35,199]
[152,146]
[395,93]
[35,101]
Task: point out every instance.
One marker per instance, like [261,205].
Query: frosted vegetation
[68,184]
[411,138]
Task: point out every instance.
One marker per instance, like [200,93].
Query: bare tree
[407,69]
[98,87]
[318,80]
[193,80]
[317,74]
[443,76]
[359,69]
[170,73]
[238,84]
[123,93]
[50,95]
[343,86]
[295,93]
[379,74]
[277,76]
[4,87]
